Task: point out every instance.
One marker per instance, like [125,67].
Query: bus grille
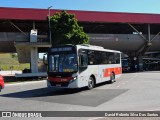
[60,84]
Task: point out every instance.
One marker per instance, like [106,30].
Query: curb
[23,83]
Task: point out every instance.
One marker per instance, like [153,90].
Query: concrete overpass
[131,33]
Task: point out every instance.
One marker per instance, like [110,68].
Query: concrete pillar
[140,63]
[34,60]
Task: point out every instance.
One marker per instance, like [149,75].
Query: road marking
[22,83]
[96,118]
[155,109]
[133,77]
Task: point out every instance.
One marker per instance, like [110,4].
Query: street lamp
[49,15]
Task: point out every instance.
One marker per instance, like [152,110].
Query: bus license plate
[58,85]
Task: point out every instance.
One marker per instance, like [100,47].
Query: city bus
[76,66]
[125,65]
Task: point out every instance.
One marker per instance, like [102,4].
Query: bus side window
[83,60]
[45,61]
[91,57]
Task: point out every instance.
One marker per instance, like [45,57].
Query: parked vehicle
[125,65]
[1,82]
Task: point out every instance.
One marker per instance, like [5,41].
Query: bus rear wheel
[112,78]
[91,83]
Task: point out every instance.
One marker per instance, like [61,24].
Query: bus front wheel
[91,83]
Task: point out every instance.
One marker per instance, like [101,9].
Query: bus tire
[0,88]
[112,78]
[91,83]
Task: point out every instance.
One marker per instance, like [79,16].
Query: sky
[132,6]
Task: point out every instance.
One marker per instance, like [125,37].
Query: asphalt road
[131,92]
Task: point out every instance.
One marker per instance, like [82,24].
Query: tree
[65,30]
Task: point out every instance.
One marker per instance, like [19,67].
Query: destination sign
[61,49]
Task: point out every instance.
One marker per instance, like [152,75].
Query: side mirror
[45,61]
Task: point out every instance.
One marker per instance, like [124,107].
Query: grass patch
[10,61]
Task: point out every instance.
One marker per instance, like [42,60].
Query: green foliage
[14,55]
[65,30]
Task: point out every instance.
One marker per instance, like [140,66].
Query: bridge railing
[20,37]
[14,36]
[42,38]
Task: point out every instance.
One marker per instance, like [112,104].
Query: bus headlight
[75,78]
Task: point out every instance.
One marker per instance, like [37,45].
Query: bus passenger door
[83,72]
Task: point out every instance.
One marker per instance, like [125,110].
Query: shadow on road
[82,96]
[42,92]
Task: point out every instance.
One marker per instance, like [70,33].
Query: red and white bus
[76,66]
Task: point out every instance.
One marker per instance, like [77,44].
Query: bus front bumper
[70,84]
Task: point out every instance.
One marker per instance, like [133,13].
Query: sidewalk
[9,73]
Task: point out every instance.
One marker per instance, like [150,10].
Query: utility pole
[49,16]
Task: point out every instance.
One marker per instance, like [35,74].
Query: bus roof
[93,47]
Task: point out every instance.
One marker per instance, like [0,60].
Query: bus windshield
[125,62]
[63,63]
